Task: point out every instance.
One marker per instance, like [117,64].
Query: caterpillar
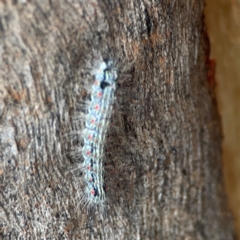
[99,110]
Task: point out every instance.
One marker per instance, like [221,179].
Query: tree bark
[163,153]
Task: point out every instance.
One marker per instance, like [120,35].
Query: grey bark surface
[164,172]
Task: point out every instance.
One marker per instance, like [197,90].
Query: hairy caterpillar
[96,124]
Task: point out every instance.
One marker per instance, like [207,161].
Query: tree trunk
[163,154]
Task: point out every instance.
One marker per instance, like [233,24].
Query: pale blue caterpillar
[96,124]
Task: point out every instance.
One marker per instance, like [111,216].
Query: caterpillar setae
[97,120]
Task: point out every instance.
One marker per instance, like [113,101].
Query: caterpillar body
[97,119]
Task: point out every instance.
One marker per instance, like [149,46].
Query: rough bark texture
[165,179]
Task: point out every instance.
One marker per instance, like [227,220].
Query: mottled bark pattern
[163,174]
